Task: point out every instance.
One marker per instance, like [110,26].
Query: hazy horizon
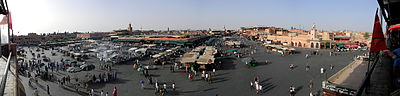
[44,16]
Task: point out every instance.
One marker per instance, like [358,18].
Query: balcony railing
[5,73]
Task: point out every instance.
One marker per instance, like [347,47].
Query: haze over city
[43,16]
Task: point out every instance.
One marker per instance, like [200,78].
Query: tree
[366,35]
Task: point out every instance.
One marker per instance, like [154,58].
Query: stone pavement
[232,80]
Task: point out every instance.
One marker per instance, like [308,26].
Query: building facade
[95,35]
[306,39]
[33,38]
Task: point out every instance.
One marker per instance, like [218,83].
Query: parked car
[47,59]
[87,67]
[73,69]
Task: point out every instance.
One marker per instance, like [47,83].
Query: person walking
[171,68]
[203,75]
[206,78]
[322,70]
[142,83]
[214,71]
[173,86]
[76,87]
[251,85]
[106,93]
[150,80]
[92,92]
[134,66]
[306,56]
[209,79]
[48,89]
[257,88]
[165,87]
[115,91]
[189,76]
[101,93]
[156,85]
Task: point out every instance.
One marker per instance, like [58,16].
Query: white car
[73,69]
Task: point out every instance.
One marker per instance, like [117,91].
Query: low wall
[339,73]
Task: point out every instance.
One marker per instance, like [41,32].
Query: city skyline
[105,16]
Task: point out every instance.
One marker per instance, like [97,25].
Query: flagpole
[369,69]
[370,53]
[8,30]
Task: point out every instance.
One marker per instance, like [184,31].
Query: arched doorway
[299,45]
[312,45]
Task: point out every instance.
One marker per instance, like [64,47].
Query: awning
[232,50]
[395,27]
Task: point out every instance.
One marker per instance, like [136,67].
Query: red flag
[378,40]
[5,20]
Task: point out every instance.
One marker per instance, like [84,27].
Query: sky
[43,16]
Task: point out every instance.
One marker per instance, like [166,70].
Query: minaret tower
[313,32]
[130,28]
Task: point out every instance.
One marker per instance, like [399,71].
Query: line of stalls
[72,51]
[200,58]
[231,42]
[138,51]
[182,40]
[280,49]
[166,55]
[119,53]
[105,51]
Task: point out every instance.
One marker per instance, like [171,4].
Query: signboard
[340,91]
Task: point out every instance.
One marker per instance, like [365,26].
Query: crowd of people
[36,69]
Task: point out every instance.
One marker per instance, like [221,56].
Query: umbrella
[395,27]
